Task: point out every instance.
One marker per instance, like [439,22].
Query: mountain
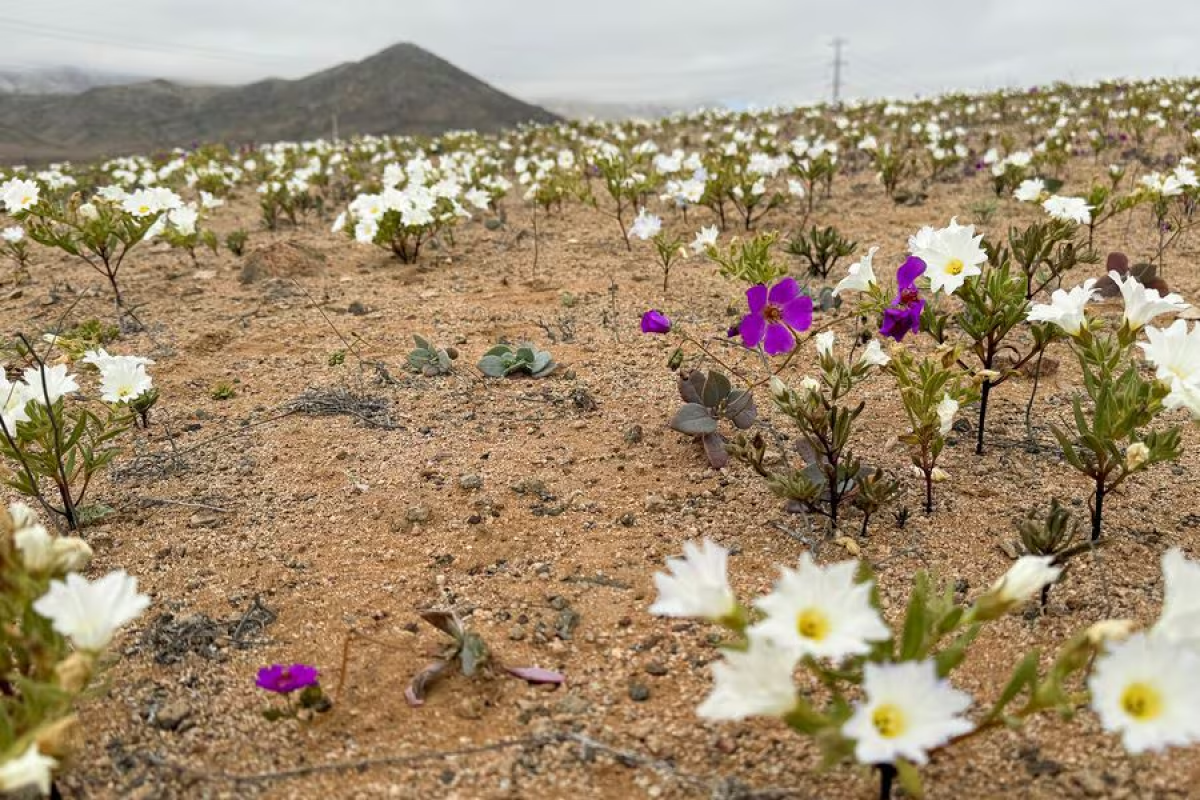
[402,89]
[59,80]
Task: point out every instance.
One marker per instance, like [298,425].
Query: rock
[656,668]
[633,434]
[639,693]
[470,482]
[654,503]
[1091,784]
[204,519]
[417,514]
[517,633]
[281,260]
[172,716]
[572,704]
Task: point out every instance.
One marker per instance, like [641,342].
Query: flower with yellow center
[821,612]
[951,255]
[908,711]
[1145,689]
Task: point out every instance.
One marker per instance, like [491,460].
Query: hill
[403,89]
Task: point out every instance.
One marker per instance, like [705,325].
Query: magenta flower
[775,316]
[654,321]
[904,315]
[283,679]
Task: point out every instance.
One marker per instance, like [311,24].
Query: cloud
[625,50]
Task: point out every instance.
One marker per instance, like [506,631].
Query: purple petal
[909,271]
[798,313]
[537,675]
[778,340]
[752,329]
[783,292]
[756,297]
[654,321]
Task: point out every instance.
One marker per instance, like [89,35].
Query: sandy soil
[337,523]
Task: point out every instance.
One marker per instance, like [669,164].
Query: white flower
[1068,209]
[142,203]
[795,188]
[30,769]
[1179,621]
[1024,579]
[1065,309]
[89,612]
[366,230]
[14,397]
[478,198]
[707,237]
[1030,191]
[99,357]
[860,277]
[810,385]
[1175,351]
[56,383]
[874,355]
[1145,689]
[123,379]
[210,201]
[1143,304]
[646,226]
[13,234]
[19,195]
[825,343]
[951,255]
[946,409]
[908,712]
[698,586]
[339,223]
[754,682]
[821,611]
[184,219]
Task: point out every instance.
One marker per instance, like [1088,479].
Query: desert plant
[821,248]
[235,241]
[430,360]
[48,439]
[503,361]
[709,397]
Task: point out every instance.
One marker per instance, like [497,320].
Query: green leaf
[910,779]
[1024,675]
[915,624]
[694,420]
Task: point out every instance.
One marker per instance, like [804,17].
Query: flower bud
[36,546]
[779,389]
[22,516]
[810,385]
[1109,630]
[74,672]
[1136,455]
[71,554]
[59,738]
[1023,580]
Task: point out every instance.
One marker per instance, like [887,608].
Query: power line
[74,35]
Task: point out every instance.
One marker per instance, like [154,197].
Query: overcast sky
[740,51]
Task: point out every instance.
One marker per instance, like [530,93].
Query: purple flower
[654,321]
[904,315]
[774,315]
[283,679]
